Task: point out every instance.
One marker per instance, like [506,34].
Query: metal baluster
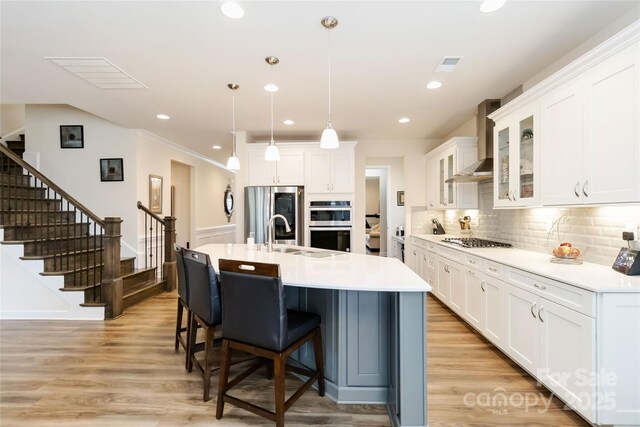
[101,246]
[95,275]
[75,212]
[145,241]
[156,242]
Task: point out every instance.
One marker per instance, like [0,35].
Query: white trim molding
[215,234]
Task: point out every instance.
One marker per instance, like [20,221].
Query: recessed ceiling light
[216,147]
[271,87]
[163,117]
[288,122]
[489,6]
[232,9]
[404,120]
[434,84]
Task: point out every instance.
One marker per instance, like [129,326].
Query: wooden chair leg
[225,358]
[279,372]
[192,330]
[317,349]
[208,361]
[178,323]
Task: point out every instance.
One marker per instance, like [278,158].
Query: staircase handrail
[148,211]
[13,132]
[4,150]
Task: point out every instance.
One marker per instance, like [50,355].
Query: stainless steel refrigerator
[261,203]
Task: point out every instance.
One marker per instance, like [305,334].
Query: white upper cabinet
[561,131]
[611,156]
[588,139]
[289,170]
[515,151]
[444,162]
[590,133]
[330,171]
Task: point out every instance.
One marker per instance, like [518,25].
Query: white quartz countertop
[341,270]
[593,277]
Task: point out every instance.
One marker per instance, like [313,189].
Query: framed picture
[155,193]
[111,170]
[71,136]
[400,198]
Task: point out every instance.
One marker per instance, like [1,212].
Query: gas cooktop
[472,242]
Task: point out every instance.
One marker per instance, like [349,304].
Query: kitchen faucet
[270,232]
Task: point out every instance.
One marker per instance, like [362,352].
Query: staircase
[70,241]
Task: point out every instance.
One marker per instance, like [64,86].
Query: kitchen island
[373,323]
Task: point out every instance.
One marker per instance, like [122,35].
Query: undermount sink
[287,250]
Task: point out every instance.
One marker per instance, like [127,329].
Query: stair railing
[159,238]
[79,243]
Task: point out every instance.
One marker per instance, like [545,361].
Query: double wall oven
[330,225]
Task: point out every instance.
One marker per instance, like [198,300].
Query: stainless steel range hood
[482,170]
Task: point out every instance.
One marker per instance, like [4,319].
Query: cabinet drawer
[452,254]
[474,262]
[493,269]
[577,299]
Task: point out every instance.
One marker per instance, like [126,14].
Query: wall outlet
[632,227]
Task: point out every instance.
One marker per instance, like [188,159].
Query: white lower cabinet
[567,355]
[493,310]
[555,344]
[474,299]
[548,328]
[450,287]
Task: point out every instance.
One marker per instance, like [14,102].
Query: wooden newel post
[111,287]
[169,269]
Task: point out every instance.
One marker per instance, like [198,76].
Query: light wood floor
[125,373]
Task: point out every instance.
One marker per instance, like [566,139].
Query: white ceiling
[384,52]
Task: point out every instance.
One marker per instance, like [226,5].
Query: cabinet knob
[539,286]
[471,272]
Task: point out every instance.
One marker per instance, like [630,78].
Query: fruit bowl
[567,252]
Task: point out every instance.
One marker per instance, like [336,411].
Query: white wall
[372,196]
[411,152]
[77,171]
[599,228]
[11,119]
[208,183]
[468,128]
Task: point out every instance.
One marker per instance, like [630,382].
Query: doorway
[376,178]
[181,202]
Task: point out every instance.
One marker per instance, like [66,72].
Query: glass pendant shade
[233,163]
[329,138]
[272,153]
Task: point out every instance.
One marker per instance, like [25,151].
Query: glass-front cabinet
[516,156]
[446,169]
[444,162]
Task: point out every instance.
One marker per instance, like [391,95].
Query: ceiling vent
[99,72]
[448,64]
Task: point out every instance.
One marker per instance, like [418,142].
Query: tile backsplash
[599,229]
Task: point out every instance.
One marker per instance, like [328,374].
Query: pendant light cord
[233,120]
[329,44]
[272,141]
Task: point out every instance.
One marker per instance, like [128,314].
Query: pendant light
[233,163]
[329,137]
[272,153]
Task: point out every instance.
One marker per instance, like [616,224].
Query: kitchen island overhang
[373,319]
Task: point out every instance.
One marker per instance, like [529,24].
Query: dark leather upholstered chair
[204,303]
[255,320]
[183,301]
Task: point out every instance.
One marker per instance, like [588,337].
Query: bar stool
[183,298]
[255,320]
[204,303]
